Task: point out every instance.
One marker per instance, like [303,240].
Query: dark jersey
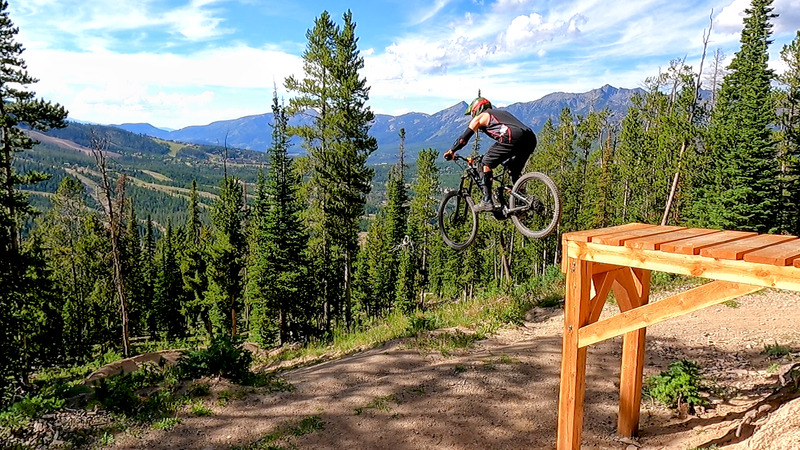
[505,128]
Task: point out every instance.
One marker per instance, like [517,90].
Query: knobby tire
[540,221]
[458,223]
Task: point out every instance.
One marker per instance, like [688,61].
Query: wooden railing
[620,259]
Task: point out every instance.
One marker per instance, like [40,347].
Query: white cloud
[730,18]
[92,22]
[788,16]
[173,90]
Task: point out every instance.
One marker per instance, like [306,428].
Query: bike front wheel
[457,221]
[535,205]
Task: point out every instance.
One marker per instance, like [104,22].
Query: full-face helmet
[478,106]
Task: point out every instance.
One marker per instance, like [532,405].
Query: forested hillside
[149,240]
[421,130]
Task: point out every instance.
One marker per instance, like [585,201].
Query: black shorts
[514,155]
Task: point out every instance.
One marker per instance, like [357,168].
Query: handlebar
[469,160]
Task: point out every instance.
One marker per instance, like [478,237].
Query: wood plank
[654,242]
[737,249]
[572,390]
[797,262]
[586,235]
[778,255]
[668,308]
[780,277]
[630,382]
[619,237]
[693,245]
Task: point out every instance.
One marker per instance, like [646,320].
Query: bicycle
[532,203]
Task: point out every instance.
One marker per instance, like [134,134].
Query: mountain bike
[532,203]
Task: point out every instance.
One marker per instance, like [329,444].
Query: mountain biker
[515,142]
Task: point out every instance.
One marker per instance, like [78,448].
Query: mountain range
[436,130]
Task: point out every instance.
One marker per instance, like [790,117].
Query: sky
[176,63]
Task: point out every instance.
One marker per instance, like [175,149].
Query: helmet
[478,106]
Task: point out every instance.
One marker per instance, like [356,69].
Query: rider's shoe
[484,206]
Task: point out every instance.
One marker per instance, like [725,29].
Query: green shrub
[201,410]
[776,350]
[681,384]
[419,322]
[221,358]
[166,423]
[19,414]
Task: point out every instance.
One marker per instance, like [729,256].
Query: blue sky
[175,63]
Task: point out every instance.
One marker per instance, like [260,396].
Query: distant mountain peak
[436,130]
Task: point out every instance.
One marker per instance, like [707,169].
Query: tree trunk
[98,149]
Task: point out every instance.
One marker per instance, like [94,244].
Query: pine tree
[227,257]
[741,190]
[277,267]
[194,264]
[790,136]
[132,271]
[169,296]
[149,275]
[18,108]
[338,144]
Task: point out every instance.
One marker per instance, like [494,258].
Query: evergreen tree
[277,267]
[227,258]
[338,144]
[18,108]
[790,136]
[741,189]
[149,276]
[132,271]
[194,264]
[169,295]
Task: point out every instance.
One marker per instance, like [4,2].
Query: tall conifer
[741,190]
[277,267]
[18,108]
[338,144]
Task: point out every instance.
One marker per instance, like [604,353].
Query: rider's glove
[448,155]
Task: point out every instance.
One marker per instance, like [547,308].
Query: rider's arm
[481,120]
[462,140]
[477,122]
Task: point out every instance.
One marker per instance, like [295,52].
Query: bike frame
[471,176]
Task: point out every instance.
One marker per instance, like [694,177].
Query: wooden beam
[632,361]
[573,358]
[630,382]
[675,306]
[602,284]
[780,277]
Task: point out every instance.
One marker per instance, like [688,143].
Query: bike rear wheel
[458,223]
[538,197]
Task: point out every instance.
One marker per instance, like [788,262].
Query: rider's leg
[486,203]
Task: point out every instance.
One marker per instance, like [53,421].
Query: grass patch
[731,304]
[486,313]
[199,409]
[776,350]
[773,368]
[225,396]
[380,403]
[167,423]
[384,403]
[447,343]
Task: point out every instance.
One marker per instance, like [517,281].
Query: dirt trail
[503,392]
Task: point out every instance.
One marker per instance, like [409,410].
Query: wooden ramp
[620,259]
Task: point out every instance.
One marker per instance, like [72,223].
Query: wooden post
[632,294]
[573,359]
